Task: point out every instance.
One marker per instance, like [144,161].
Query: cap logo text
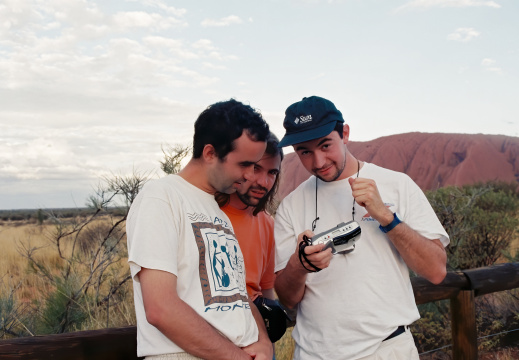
[303,119]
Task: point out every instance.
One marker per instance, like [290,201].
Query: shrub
[89,274]
[482,221]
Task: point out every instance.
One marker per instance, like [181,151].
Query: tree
[173,157]
[87,279]
[90,275]
[13,314]
[481,220]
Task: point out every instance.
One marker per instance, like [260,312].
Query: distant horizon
[87,194]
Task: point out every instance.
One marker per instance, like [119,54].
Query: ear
[345,133]
[209,153]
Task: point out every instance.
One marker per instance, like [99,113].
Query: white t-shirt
[176,227]
[350,307]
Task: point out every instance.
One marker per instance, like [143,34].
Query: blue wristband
[391,225]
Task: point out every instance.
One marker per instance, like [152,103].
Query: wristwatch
[391,225]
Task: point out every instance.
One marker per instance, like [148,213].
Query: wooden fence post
[463,323]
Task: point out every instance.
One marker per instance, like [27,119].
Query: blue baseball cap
[309,119]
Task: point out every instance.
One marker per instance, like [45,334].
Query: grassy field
[13,267]
[16,273]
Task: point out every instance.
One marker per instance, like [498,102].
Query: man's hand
[260,350]
[365,193]
[314,253]
[290,282]
[426,257]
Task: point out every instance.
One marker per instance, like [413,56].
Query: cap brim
[307,135]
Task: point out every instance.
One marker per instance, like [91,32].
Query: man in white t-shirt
[187,267]
[356,304]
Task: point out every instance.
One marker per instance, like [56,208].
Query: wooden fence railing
[120,343]
[461,288]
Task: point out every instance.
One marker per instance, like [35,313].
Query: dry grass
[14,268]
[16,272]
[285,346]
[285,350]
[501,354]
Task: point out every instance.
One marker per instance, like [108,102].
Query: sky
[93,88]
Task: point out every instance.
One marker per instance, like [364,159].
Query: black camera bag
[274,316]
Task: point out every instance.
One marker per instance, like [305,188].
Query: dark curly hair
[222,123]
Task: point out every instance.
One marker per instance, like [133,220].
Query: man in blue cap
[356,304]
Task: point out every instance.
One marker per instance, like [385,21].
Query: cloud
[488,65]
[209,65]
[163,6]
[426,4]
[84,86]
[318,76]
[83,52]
[80,152]
[226,21]
[212,51]
[463,35]
[141,19]
[171,47]
[88,88]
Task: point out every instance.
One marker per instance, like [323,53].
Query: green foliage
[7,313]
[88,275]
[40,216]
[432,331]
[13,315]
[173,157]
[482,220]
[63,310]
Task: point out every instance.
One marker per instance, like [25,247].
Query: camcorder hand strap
[302,245]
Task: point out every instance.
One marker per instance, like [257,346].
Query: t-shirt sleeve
[421,217]
[152,234]
[284,234]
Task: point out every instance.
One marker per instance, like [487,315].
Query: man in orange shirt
[248,209]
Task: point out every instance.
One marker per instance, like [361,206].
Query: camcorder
[341,239]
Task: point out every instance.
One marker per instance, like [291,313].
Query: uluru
[432,160]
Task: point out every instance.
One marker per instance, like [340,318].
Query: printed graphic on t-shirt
[221,267]
[194,217]
[368,217]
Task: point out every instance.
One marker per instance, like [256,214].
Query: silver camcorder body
[341,239]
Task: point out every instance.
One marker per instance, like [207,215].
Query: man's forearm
[262,349]
[290,283]
[194,335]
[268,293]
[424,256]
[179,322]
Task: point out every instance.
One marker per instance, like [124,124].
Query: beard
[335,176]
[250,200]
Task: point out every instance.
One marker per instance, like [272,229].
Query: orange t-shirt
[255,235]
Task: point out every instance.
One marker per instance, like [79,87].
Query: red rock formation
[431,160]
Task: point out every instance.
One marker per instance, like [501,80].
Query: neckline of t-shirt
[240,212]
